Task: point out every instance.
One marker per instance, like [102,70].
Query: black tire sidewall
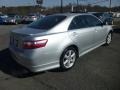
[16,22]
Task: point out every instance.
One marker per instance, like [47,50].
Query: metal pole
[110,5]
[77,6]
[77,2]
[34,2]
[61,9]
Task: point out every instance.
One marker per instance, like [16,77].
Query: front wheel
[16,22]
[108,39]
[68,58]
[112,23]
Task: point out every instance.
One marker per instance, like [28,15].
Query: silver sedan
[57,41]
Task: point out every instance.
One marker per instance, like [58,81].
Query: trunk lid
[28,31]
[17,36]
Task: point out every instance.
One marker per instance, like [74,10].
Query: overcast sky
[51,3]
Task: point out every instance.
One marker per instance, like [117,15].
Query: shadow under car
[10,67]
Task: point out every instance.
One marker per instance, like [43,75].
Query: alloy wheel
[109,38]
[68,59]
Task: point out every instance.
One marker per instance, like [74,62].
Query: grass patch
[116,23]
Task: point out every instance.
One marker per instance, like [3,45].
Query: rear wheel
[68,58]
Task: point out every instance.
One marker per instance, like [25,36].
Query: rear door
[81,34]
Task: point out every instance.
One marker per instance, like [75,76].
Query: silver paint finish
[59,38]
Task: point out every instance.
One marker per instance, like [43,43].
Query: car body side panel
[44,56]
[100,34]
[83,38]
[59,38]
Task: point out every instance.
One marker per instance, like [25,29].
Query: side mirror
[104,23]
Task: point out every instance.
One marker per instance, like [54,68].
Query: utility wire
[100,1]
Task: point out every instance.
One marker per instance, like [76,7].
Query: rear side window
[77,23]
[47,22]
[92,21]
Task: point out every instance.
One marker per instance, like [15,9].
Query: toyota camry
[58,40]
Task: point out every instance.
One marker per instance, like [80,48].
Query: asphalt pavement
[97,70]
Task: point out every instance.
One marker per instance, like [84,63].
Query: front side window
[99,15]
[47,22]
[92,21]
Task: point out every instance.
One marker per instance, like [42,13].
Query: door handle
[96,30]
[74,34]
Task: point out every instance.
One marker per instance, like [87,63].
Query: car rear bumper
[30,63]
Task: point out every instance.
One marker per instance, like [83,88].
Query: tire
[106,23]
[112,23]
[108,39]
[16,22]
[68,58]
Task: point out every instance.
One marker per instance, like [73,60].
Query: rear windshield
[47,22]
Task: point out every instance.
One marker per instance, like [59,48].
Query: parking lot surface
[97,70]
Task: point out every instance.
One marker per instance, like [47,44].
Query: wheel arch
[74,46]
[111,31]
[62,67]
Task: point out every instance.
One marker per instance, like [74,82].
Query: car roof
[99,12]
[71,14]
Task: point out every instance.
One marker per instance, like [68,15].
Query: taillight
[35,44]
[34,17]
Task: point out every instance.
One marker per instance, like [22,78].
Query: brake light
[35,44]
